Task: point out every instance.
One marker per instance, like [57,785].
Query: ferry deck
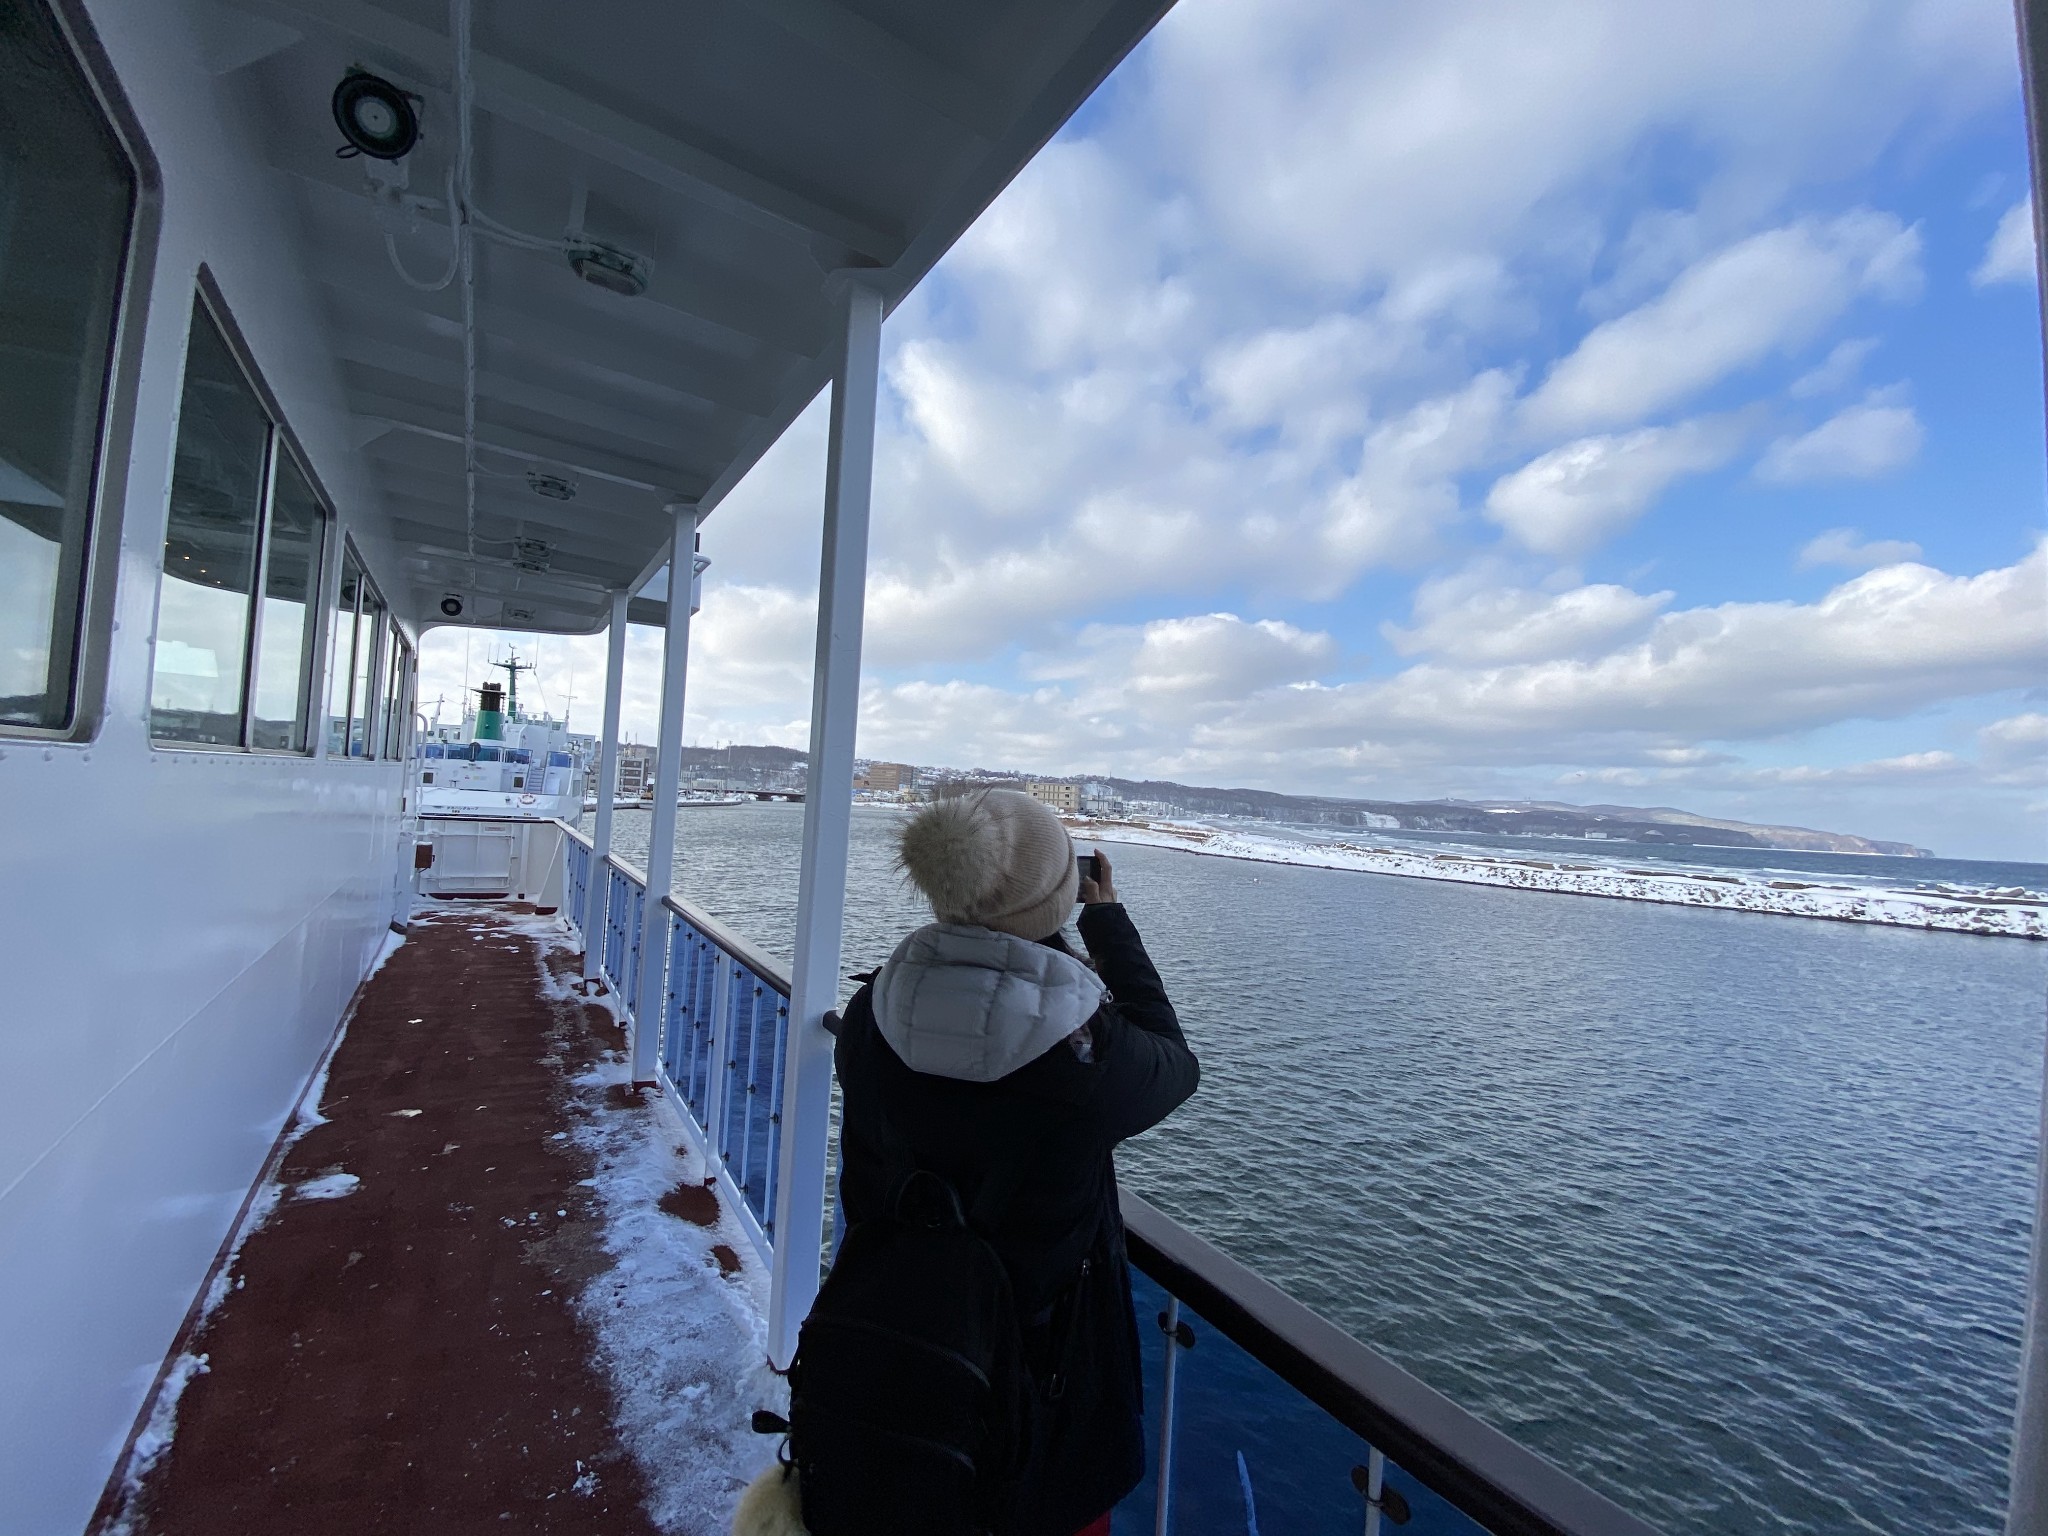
[331,321]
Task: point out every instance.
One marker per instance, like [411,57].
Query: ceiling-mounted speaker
[375,116]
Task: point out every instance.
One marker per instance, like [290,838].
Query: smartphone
[1091,867]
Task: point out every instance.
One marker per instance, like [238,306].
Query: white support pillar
[592,915]
[661,837]
[828,815]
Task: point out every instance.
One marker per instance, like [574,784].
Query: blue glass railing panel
[697,1066]
[750,1135]
[1298,1462]
[722,1047]
[625,911]
[618,913]
[636,918]
[578,893]
[687,1027]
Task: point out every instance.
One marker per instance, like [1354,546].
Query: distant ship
[502,762]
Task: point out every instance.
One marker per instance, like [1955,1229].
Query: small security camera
[451,606]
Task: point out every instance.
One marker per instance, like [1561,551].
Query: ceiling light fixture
[554,487]
[608,267]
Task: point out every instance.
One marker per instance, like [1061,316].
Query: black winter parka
[1061,1236]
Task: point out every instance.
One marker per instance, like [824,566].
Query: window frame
[399,666]
[283,444]
[114,440]
[386,636]
[280,439]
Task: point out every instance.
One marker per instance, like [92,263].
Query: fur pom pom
[770,1506]
[954,851]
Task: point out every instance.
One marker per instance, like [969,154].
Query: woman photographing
[987,1064]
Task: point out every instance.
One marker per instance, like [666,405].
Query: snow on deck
[482,1290]
[2008,913]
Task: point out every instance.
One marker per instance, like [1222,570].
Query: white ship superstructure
[502,762]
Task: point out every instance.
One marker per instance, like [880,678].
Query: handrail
[632,872]
[573,832]
[762,967]
[1504,1486]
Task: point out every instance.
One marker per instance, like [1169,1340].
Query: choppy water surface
[1726,1213]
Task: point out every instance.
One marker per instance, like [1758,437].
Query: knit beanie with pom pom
[994,858]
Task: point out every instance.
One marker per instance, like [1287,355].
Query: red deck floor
[405,1357]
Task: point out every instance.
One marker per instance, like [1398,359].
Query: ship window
[242,557]
[203,604]
[291,566]
[65,221]
[362,739]
[397,693]
[342,657]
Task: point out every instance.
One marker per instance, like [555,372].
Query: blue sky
[1589,401]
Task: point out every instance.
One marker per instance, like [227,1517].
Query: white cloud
[1405,488]
[2009,258]
[1076,261]
[1211,658]
[1766,294]
[1909,767]
[1836,371]
[1847,547]
[1878,646]
[1591,676]
[1862,442]
[1309,381]
[2015,750]
[1462,620]
[1338,145]
[1573,498]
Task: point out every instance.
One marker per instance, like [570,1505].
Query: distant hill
[1527,818]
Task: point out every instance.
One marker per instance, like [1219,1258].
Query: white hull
[500,804]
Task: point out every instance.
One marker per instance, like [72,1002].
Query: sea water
[1725,1213]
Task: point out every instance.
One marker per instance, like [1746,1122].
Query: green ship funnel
[490,713]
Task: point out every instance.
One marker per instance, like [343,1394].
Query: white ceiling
[751,148]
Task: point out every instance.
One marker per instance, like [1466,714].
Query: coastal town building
[891,778]
[637,763]
[1100,799]
[1057,793]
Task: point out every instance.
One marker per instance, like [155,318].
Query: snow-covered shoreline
[1958,912]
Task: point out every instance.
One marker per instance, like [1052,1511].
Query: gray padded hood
[974,1004]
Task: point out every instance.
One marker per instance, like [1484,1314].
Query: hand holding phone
[1096,884]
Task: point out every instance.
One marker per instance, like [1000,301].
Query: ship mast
[512,669]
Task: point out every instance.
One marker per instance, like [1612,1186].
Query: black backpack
[911,1406]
